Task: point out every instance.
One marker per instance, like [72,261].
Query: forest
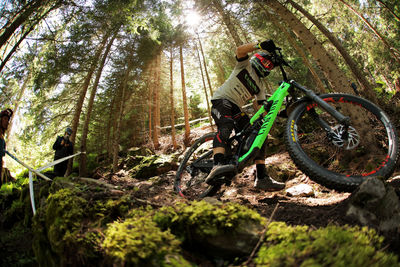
[137,76]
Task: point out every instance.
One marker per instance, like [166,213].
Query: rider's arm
[243,50]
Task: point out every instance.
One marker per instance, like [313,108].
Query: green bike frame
[277,98]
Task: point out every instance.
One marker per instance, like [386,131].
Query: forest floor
[323,207]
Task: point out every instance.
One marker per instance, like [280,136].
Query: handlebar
[278,60]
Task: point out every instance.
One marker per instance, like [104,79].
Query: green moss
[14,214]
[23,174]
[138,241]
[68,230]
[60,230]
[331,246]
[204,218]
[145,168]
[63,216]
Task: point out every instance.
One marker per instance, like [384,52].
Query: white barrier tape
[31,193]
[37,172]
[57,161]
[26,166]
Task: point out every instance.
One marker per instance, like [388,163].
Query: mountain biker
[243,83]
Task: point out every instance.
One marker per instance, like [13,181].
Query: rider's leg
[219,155]
[222,110]
[221,168]
[263,181]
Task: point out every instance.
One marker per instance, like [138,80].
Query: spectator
[5,117]
[63,147]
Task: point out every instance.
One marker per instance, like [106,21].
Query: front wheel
[341,158]
[194,168]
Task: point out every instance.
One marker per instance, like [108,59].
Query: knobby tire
[333,166]
[189,180]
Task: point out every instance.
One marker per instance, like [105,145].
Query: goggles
[267,63]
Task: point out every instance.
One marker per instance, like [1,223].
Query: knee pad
[222,137]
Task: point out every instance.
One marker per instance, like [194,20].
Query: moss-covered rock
[138,241]
[331,246]
[224,230]
[139,151]
[15,223]
[150,166]
[80,222]
[61,237]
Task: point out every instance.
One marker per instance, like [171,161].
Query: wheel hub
[347,139]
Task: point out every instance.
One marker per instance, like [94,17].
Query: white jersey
[242,85]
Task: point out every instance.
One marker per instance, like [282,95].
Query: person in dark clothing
[5,117]
[63,147]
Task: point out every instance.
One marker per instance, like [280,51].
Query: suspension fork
[344,120]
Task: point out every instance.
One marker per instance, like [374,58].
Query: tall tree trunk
[82,95]
[205,65]
[23,16]
[228,22]
[120,112]
[184,99]
[109,131]
[205,91]
[335,76]
[360,76]
[171,98]
[150,100]
[221,73]
[16,103]
[15,47]
[18,21]
[85,131]
[300,51]
[395,53]
[156,101]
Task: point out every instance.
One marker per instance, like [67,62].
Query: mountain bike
[338,140]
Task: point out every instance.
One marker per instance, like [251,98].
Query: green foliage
[91,162]
[331,246]
[204,218]
[21,180]
[382,91]
[195,110]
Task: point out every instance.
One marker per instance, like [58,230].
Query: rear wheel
[194,168]
[342,159]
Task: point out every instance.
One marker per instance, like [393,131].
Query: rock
[395,182]
[376,205]
[153,165]
[139,151]
[283,171]
[301,190]
[223,230]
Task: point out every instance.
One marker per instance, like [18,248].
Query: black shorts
[229,117]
